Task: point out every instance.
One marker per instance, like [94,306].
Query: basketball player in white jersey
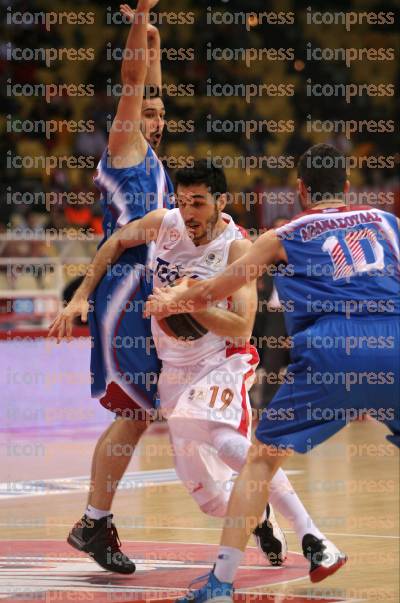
[204,384]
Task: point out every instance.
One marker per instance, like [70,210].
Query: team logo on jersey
[173,235]
[197,394]
[168,273]
[212,259]
[173,238]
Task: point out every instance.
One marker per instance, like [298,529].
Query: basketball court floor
[350,486]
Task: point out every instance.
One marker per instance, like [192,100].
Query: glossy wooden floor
[350,486]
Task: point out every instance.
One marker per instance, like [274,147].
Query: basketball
[182,326]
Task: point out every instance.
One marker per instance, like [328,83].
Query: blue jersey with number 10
[341,262]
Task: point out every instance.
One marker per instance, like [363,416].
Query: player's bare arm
[127,146]
[135,233]
[267,250]
[237,322]
[153,74]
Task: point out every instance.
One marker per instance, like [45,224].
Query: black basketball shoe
[271,540]
[99,538]
[325,559]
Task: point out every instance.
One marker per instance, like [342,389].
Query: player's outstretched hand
[149,4]
[160,303]
[164,302]
[142,5]
[63,324]
[129,13]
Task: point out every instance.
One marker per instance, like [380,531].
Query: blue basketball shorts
[124,363]
[341,369]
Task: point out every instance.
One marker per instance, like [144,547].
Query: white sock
[94,513]
[227,563]
[285,500]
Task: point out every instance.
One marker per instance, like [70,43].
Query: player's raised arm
[135,233]
[265,251]
[127,146]
[154,74]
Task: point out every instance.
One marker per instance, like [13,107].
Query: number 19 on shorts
[226,396]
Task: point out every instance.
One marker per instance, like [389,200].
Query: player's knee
[216,507]
[234,457]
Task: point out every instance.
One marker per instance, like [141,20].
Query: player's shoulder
[144,160]
[153,220]
[171,223]
[238,248]
[172,217]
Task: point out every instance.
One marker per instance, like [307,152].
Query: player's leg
[114,449]
[200,461]
[112,455]
[94,465]
[209,482]
[250,493]
[298,431]
[249,497]
[232,448]
[207,479]
[124,377]
[95,532]
[246,506]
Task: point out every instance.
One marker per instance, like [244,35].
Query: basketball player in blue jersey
[132,182]
[342,279]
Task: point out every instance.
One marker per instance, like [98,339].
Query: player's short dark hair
[322,168]
[203,172]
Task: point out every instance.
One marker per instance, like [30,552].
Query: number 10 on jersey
[352,244]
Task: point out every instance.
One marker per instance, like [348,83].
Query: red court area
[51,571]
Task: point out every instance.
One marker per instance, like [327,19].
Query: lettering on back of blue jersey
[317,227]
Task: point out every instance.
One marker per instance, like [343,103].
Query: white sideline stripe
[176,528]
[71,485]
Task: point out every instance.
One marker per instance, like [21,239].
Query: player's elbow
[244,332]
[121,245]
[239,338]
[241,329]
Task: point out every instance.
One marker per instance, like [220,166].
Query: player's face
[153,121]
[199,210]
